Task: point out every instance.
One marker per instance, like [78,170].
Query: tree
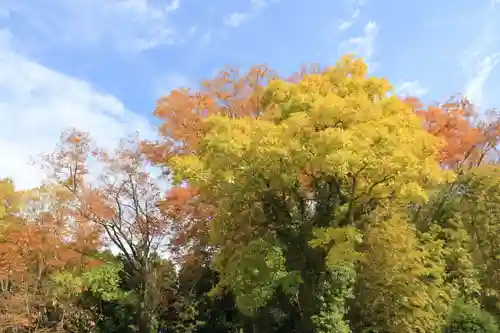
[119,200]
[479,209]
[401,287]
[36,245]
[469,140]
[182,112]
[469,318]
[292,185]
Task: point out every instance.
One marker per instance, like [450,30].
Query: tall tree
[292,185]
[36,245]
[470,138]
[233,93]
[119,199]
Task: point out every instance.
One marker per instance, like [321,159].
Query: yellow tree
[296,181]
[233,93]
[400,287]
[478,208]
[470,139]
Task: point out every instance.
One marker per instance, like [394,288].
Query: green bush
[469,318]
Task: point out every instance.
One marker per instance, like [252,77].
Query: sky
[101,65]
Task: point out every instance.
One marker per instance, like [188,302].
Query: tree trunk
[145,315]
[144,320]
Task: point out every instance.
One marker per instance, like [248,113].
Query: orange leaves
[30,252]
[115,206]
[467,141]
[230,93]
[179,200]
[188,214]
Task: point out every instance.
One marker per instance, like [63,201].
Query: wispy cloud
[411,88]
[347,23]
[129,25]
[474,88]
[235,19]
[364,45]
[480,58]
[37,103]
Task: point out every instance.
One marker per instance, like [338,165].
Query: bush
[469,318]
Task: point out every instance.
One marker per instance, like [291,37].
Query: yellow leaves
[400,294]
[190,165]
[330,111]
[338,123]
[413,192]
[277,91]
[340,244]
[357,147]
[9,199]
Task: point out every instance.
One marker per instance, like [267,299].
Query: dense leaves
[322,203]
[469,318]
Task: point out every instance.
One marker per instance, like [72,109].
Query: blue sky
[100,65]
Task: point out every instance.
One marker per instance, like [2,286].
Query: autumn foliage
[469,141]
[319,202]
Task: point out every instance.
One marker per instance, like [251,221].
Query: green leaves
[303,180]
[469,318]
[102,281]
[254,272]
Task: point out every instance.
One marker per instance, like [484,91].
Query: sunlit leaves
[398,291]
[340,243]
[304,176]
[102,280]
[470,138]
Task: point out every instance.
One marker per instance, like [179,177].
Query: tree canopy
[316,203]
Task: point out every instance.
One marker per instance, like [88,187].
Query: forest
[317,203]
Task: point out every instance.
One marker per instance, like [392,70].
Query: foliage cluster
[318,203]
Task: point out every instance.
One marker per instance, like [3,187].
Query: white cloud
[236,19]
[363,46]
[479,59]
[37,103]
[346,24]
[474,89]
[129,25]
[411,88]
[258,3]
